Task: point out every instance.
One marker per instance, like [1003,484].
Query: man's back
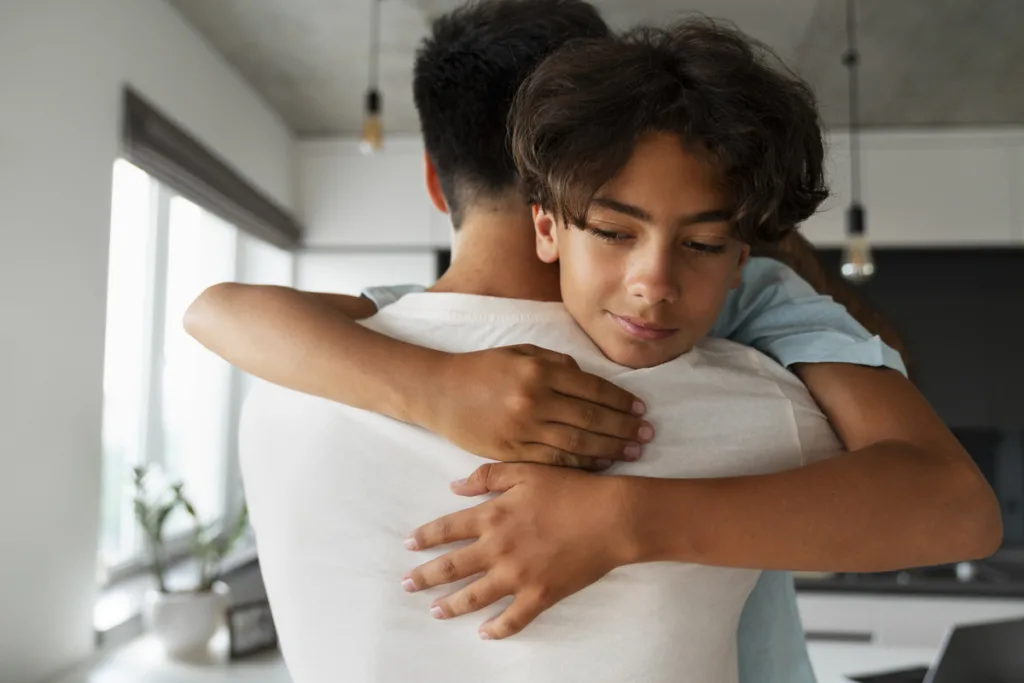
[333,491]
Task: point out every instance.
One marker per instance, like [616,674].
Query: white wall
[349,199]
[352,272]
[62,67]
[928,187]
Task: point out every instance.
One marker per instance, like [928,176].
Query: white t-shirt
[333,491]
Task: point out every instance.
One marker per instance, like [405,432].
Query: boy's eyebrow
[712,216]
[626,209]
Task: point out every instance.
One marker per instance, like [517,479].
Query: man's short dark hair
[578,117]
[466,75]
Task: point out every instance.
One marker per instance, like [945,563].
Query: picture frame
[250,629]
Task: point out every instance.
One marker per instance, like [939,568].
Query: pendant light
[372,139]
[858,265]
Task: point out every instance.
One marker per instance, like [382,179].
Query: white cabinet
[941,188]
[349,199]
[898,620]
[827,614]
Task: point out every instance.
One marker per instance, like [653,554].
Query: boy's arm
[538,405]
[902,463]
[906,494]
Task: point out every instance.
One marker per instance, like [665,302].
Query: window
[167,400]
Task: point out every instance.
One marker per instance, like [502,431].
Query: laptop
[974,653]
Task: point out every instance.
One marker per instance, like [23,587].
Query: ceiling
[924,62]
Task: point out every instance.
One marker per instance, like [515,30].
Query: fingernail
[632,452]
[603,464]
[639,408]
[437,612]
[646,432]
[408,585]
[484,635]
[458,482]
[411,544]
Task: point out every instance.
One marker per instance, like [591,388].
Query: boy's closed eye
[700,246]
[608,235]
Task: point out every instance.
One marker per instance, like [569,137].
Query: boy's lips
[642,329]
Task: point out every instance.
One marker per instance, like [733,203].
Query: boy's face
[649,272]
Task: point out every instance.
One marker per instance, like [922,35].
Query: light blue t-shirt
[778,313]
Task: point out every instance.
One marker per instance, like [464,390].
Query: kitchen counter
[143,661]
[980,579]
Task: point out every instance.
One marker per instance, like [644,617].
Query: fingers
[574,382]
[546,354]
[544,454]
[525,608]
[481,593]
[449,568]
[585,443]
[588,416]
[458,526]
[494,477]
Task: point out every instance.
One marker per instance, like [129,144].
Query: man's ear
[433,185]
[744,257]
[546,228]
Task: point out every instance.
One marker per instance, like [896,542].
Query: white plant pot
[185,622]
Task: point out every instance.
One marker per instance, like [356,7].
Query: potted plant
[182,620]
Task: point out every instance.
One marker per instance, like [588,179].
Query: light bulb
[858,265]
[372,139]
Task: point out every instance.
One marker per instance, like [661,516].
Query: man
[495,256]
[645,269]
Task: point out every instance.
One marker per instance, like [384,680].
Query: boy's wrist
[657,516]
[425,388]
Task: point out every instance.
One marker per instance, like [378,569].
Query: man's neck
[496,255]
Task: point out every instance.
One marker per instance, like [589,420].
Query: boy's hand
[551,533]
[528,404]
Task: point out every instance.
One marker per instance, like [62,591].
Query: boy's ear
[433,185]
[744,257]
[546,228]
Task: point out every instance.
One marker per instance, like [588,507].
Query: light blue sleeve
[778,313]
[770,642]
[385,296]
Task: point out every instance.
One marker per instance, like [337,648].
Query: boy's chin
[638,355]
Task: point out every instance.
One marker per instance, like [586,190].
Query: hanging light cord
[851,60]
[374,43]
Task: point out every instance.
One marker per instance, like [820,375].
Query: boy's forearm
[305,342]
[885,507]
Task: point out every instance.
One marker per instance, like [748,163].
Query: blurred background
[151,148]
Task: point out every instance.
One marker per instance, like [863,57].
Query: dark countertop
[990,578]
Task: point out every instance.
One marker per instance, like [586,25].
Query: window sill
[142,660]
[117,616]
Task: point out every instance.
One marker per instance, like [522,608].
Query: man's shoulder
[275,419]
[727,354]
[267,403]
[733,361]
